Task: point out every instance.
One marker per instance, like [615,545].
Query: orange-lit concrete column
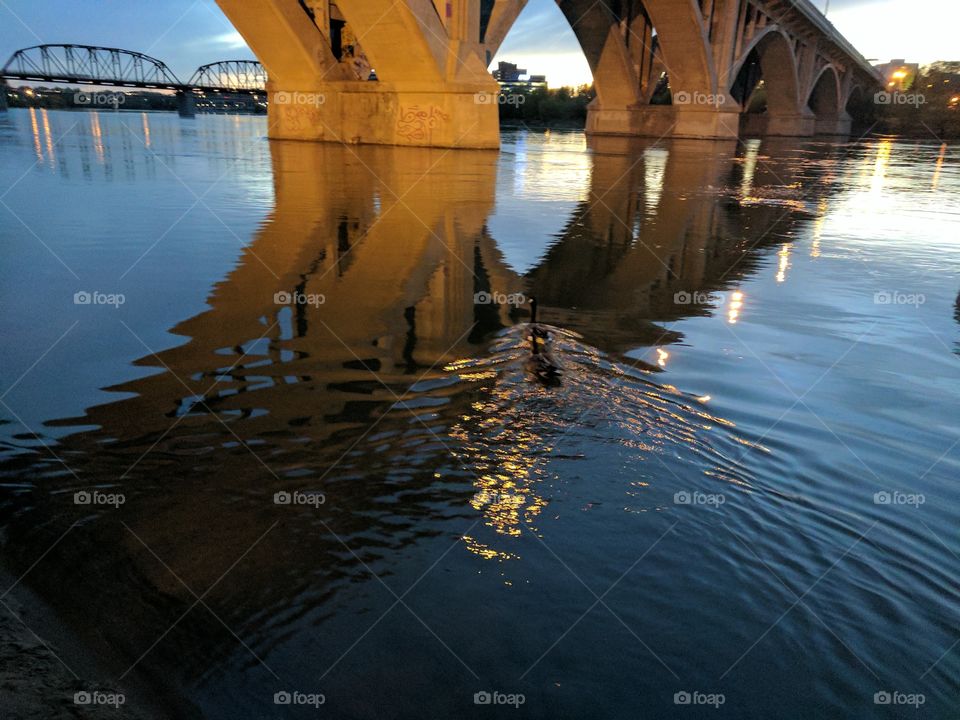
[432,88]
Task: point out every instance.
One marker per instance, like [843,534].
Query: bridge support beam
[186,104]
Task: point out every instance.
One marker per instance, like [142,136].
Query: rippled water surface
[744,483]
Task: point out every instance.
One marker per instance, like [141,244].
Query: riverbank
[46,671]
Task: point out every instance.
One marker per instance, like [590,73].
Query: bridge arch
[231,74]
[616,41]
[770,58]
[824,97]
[827,103]
[773,51]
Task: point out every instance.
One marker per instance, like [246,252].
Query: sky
[188,33]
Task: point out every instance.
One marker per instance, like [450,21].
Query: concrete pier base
[838,126]
[764,124]
[679,121]
[186,104]
[3,96]
[370,113]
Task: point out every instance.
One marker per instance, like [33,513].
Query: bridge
[680,68]
[708,69]
[113,67]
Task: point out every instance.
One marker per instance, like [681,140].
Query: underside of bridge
[414,72]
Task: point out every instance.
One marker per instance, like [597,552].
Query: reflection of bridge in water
[395,242]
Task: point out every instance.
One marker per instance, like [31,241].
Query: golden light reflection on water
[938,167]
[822,206]
[146,130]
[880,167]
[36,135]
[47,134]
[783,262]
[749,168]
[734,306]
[97,134]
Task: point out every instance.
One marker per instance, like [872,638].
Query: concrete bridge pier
[3,96]
[839,124]
[431,88]
[186,104]
[700,122]
[419,114]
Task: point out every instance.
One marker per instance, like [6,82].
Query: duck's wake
[609,422]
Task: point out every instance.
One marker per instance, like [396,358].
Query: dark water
[757,339]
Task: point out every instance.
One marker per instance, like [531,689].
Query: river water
[294,381]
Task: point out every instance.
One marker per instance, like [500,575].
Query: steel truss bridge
[91,65]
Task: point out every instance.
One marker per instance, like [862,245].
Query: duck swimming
[541,361]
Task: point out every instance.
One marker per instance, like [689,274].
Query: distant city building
[511,77]
[898,74]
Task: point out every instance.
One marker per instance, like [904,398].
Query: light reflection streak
[734,306]
[97,135]
[936,171]
[783,262]
[36,135]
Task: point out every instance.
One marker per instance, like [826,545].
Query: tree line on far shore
[929,107]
